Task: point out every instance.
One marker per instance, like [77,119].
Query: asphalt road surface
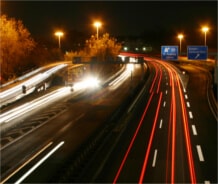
[171,136]
[163,133]
[66,133]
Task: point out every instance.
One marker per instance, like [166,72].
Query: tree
[104,48]
[15,45]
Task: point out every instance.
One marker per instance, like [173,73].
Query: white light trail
[119,80]
[11,94]
[27,162]
[18,111]
[39,163]
[88,82]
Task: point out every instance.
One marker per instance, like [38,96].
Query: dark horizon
[135,18]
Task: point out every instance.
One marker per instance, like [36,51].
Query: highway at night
[108,92]
[152,123]
[167,144]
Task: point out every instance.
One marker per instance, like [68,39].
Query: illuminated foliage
[15,45]
[104,48]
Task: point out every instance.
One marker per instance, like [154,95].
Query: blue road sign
[169,52]
[197,52]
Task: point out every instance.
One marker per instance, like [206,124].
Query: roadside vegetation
[16,45]
[104,49]
[20,53]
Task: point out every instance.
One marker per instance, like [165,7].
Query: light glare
[205,29]
[59,33]
[97,24]
[180,36]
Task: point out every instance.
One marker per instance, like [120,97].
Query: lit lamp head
[180,36]
[97,24]
[59,33]
[205,29]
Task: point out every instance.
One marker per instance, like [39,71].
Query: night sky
[118,18]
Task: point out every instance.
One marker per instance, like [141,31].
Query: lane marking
[188,104]
[184,90]
[186,97]
[187,136]
[194,130]
[150,141]
[164,104]
[28,161]
[39,163]
[206,182]
[200,154]
[154,158]
[133,139]
[161,122]
[190,115]
[166,92]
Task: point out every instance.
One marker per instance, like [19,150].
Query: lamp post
[180,36]
[59,34]
[97,25]
[205,29]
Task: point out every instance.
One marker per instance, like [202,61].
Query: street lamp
[205,29]
[180,36]
[59,34]
[97,25]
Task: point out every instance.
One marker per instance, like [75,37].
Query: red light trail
[175,106]
[150,142]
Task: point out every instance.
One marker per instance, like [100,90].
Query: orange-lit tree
[15,44]
[104,48]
